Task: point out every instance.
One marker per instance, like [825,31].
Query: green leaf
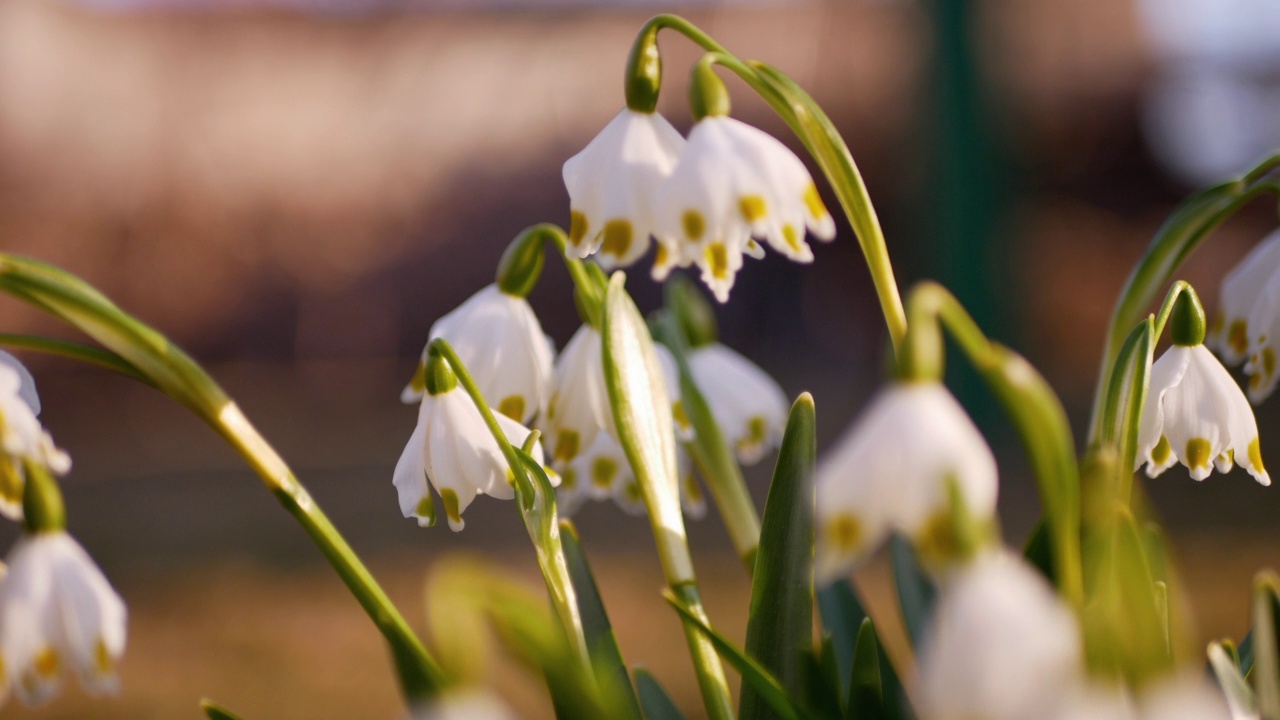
[780,624]
[916,592]
[1266,646]
[866,690]
[842,615]
[1039,551]
[606,659]
[1240,697]
[770,689]
[214,711]
[821,691]
[655,701]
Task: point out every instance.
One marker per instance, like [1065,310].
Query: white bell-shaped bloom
[749,406]
[453,447]
[57,611]
[22,438]
[1244,291]
[499,340]
[579,409]
[27,383]
[1001,646]
[734,182]
[1196,414]
[613,185]
[891,471]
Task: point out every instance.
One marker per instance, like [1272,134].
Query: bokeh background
[295,190]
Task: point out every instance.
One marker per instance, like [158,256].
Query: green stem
[714,685]
[1036,413]
[539,516]
[74,351]
[1180,235]
[819,136]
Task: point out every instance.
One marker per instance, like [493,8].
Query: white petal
[452,463]
[1188,697]
[410,476]
[1166,372]
[26,386]
[93,617]
[748,405]
[1242,290]
[579,407]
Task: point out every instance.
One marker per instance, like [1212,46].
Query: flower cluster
[707,201]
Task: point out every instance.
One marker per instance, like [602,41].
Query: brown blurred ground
[296,198]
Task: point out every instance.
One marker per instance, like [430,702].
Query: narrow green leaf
[606,658]
[896,705]
[1039,551]
[656,702]
[214,711]
[866,690]
[842,615]
[771,691]
[1240,697]
[916,592]
[1245,652]
[1266,648]
[821,682]
[780,624]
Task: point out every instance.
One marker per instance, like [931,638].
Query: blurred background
[295,190]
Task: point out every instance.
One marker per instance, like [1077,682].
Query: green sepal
[916,592]
[780,623]
[214,711]
[695,315]
[438,377]
[866,689]
[644,71]
[765,683]
[1187,324]
[655,702]
[42,507]
[708,96]
[521,263]
[602,645]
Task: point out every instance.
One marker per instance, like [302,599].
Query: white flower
[892,470]
[1249,296]
[579,409]
[1196,414]
[22,438]
[58,611]
[465,704]
[613,184]
[499,340]
[1186,697]
[453,447]
[733,182]
[1002,646]
[27,384]
[748,405]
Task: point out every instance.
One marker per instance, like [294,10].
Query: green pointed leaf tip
[1266,655]
[214,711]
[866,690]
[842,615]
[780,624]
[770,689]
[655,701]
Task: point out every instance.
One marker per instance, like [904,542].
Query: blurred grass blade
[771,691]
[1266,648]
[602,645]
[214,711]
[655,701]
[916,592]
[842,615]
[866,690]
[1245,652]
[780,624]
[1240,698]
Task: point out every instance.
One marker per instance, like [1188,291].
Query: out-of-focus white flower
[892,471]
[1196,414]
[613,185]
[1176,698]
[465,705]
[22,438]
[498,338]
[748,405]
[1002,646]
[1242,289]
[57,611]
[453,447]
[27,383]
[733,182]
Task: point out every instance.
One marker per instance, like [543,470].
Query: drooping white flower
[1196,414]
[57,611]
[748,405]
[498,338]
[27,383]
[1001,646]
[579,408]
[22,438]
[453,447]
[1244,301]
[734,182]
[892,470]
[613,185]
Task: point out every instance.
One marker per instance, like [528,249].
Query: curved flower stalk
[499,338]
[58,612]
[998,621]
[894,471]
[613,185]
[1194,412]
[22,439]
[453,447]
[749,405]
